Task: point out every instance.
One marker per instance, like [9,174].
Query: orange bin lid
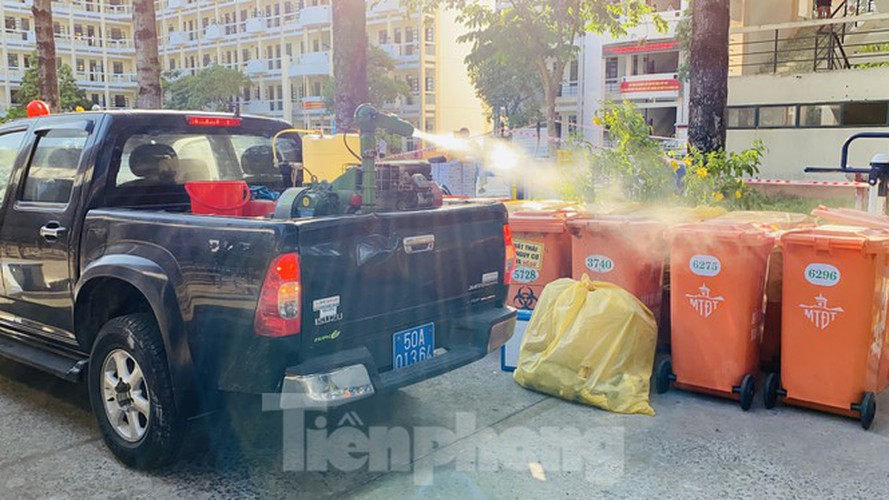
[840,237]
[615,223]
[551,221]
[745,233]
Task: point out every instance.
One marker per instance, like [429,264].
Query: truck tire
[131,392]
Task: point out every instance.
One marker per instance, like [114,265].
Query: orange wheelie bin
[627,250]
[770,348]
[718,275]
[543,254]
[835,326]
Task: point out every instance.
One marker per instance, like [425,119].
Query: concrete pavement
[696,446]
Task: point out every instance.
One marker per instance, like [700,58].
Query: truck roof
[155,113]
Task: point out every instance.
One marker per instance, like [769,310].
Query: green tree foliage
[210,89]
[510,86]
[635,168]
[71,95]
[541,34]
[635,164]
[382,85]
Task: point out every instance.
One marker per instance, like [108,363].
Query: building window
[117,68]
[384,37]
[396,35]
[316,45]
[12,61]
[430,84]
[409,34]
[120,101]
[864,113]
[316,89]
[172,64]
[10,24]
[116,34]
[742,117]
[820,115]
[573,70]
[206,61]
[777,116]
[79,65]
[430,34]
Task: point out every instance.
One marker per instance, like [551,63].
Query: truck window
[9,149]
[53,166]
[174,159]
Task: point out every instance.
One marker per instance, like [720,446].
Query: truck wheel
[131,392]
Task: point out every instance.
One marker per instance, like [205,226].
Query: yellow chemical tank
[327,156]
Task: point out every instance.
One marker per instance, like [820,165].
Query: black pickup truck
[107,276]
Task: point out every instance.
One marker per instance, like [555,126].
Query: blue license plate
[413,345]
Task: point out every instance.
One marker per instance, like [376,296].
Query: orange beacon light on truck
[37,108]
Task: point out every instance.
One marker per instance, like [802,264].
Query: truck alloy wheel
[132,394]
[126,396]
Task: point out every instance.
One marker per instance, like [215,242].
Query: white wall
[790,150]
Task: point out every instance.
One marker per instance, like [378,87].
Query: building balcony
[255,25]
[402,53]
[313,17]
[384,7]
[312,63]
[213,32]
[177,38]
[19,37]
[256,67]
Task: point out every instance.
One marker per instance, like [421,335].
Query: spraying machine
[370,186]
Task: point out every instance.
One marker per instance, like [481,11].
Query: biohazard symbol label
[525,298]
[704,303]
[820,314]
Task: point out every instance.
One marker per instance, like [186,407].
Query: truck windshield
[166,159]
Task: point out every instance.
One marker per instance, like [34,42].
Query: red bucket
[218,197]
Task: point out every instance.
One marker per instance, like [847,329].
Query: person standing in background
[823,8]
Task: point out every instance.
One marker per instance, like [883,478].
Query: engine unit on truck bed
[405,185]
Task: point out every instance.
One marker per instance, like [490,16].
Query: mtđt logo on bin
[704,302]
[820,314]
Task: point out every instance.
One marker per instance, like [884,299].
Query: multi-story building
[94,38]
[799,84]
[284,47]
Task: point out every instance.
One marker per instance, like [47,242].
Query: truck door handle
[52,231]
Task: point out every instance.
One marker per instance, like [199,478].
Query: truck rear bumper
[350,375]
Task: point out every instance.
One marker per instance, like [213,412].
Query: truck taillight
[278,310]
[509,266]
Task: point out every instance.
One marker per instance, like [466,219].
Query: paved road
[695,446]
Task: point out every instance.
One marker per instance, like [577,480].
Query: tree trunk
[708,74]
[349,39]
[552,81]
[148,68]
[46,54]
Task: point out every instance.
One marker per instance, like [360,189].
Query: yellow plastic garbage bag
[592,342]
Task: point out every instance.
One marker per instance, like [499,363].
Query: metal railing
[824,45]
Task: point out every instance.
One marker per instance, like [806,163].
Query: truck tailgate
[365,277]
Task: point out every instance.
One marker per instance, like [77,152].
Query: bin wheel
[867,410]
[748,390]
[770,391]
[663,375]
